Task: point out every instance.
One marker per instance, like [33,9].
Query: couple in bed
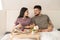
[42,21]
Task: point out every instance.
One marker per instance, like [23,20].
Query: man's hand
[50,28]
[45,30]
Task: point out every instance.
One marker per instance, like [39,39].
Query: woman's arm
[30,26]
[17,26]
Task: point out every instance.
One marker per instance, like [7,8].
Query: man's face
[37,11]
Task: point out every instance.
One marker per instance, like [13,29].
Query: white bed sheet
[54,35]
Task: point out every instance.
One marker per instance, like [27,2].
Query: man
[42,21]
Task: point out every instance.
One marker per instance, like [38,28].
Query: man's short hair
[38,6]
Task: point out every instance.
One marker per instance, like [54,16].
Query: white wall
[11,18]
[17,4]
[2,22]
[49,7]
[1,8]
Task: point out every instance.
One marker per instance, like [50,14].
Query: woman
[23,18]
[22,22]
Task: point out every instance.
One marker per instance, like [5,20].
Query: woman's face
[26,13]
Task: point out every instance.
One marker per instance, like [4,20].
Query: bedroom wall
[2,22]
[49,7]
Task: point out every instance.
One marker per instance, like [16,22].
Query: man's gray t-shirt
[42,21]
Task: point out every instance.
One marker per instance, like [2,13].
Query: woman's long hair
[22,12]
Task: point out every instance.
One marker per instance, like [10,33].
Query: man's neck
[39,15]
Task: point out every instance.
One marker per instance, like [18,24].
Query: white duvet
[55,35]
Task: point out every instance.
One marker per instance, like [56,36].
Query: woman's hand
[27,26]
[19,26]
[14,27]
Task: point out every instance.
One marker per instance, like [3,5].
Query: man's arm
[50,25]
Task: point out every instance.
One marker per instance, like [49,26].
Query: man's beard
[37,15]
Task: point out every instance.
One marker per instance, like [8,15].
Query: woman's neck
[24,17]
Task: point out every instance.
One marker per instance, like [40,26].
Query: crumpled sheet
[6,37]
[54,35]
